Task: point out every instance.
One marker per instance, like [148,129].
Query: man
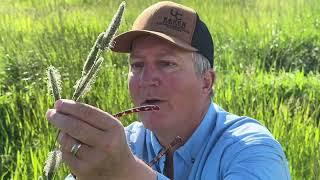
[171,66]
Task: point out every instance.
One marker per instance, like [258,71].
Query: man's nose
[150,76]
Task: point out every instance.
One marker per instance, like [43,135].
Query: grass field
[267,61]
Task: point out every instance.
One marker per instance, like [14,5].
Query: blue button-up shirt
[224,146]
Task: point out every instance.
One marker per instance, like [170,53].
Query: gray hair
[201,65]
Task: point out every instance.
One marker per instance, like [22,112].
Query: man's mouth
[152,101]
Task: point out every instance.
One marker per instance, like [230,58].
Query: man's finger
[76,128]
[67,142]
[76,166]
[92,115]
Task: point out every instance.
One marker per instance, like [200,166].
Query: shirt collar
[157,147]
[190,149]
[199,138]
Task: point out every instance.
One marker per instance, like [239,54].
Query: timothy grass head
[113,27]
[52,163]
[54,82]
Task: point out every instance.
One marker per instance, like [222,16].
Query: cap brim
[123,42]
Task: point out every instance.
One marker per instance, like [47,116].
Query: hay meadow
[267,56]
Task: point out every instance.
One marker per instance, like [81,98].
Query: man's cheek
[133,90]
[133,82]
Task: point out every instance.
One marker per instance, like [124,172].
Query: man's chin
[153,122]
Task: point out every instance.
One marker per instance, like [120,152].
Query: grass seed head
[54,82]
[52,163]
[113,27]
[85,82]
[93,55]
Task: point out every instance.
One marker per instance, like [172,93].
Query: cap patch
[174,21]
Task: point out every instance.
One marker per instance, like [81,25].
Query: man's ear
[209,78]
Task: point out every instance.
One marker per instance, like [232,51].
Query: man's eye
[136,65]
[167,64]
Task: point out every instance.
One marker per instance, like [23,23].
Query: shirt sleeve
[161,177]
[257,162]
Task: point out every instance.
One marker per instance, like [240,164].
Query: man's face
[164,75]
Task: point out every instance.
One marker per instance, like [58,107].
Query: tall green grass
[267,61]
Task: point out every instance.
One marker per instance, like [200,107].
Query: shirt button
[192,160]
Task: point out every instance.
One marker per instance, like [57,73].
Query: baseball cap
[176,23]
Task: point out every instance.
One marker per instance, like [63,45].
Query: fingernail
[49,113]
[58,104]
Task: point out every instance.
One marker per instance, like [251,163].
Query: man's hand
[104,153]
